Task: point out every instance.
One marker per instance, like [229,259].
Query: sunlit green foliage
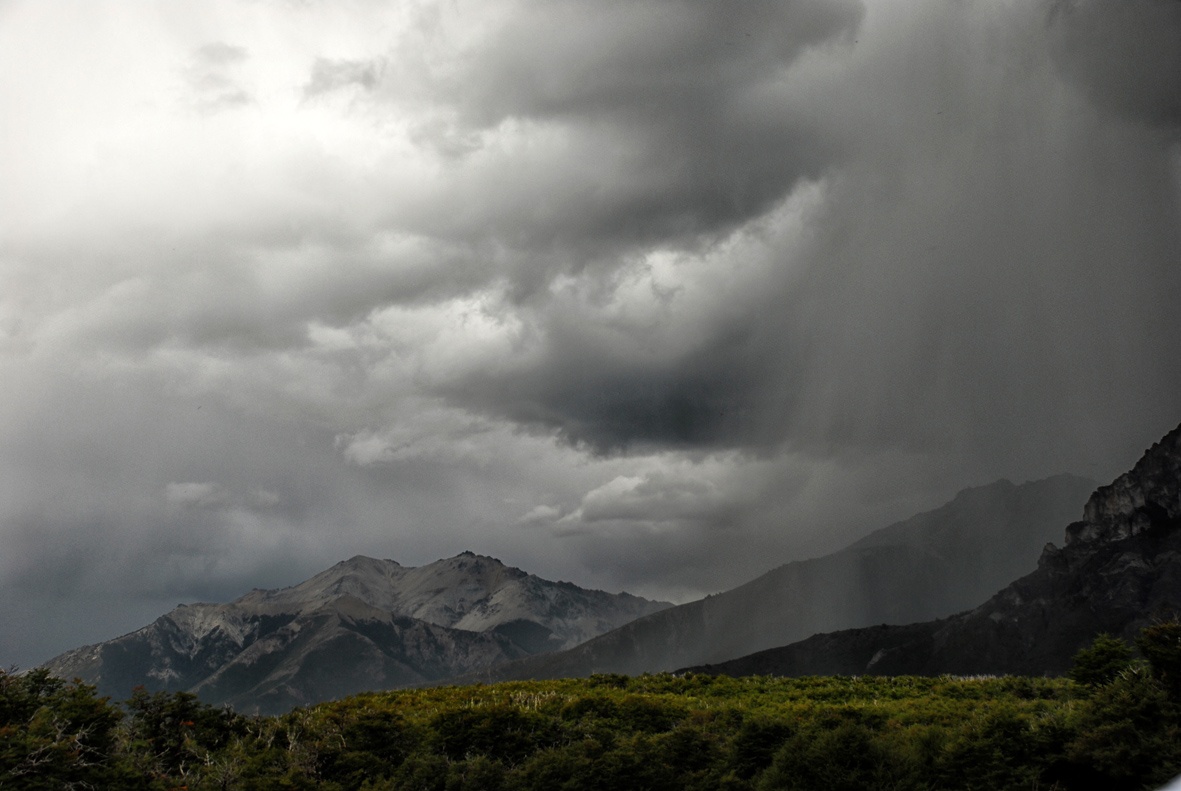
[693,732]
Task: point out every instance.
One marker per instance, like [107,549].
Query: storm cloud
[650,295]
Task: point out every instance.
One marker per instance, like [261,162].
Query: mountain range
[1119,569]
[362,624]
[933,564]
[370,624]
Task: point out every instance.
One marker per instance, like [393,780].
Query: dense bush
[1117,726]
[1099,664]
[57,735]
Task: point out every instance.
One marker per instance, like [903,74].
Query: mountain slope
[1119,569]
[362,624]
[933,564]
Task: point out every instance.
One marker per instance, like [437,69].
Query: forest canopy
[1115,724]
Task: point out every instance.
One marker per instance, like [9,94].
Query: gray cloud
[212,78]
[669,114]
[1122,55]
[610,400]
[659,63]
[219,54]
[651,295]
[985,247]
[331,75]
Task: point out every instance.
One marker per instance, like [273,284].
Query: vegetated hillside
[1119,569]
[363,624]
[1113,729]
[932,564]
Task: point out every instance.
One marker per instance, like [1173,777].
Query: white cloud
[541,514]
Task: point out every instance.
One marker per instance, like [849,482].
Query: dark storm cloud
[669,111]
[649,294]
[978,273]
[650,60]
[607,399]
[986,245]
[1126,56]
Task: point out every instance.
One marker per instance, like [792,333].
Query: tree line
[1114,723]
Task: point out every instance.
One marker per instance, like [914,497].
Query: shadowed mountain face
[930,565]
[1119,570]
[363,624]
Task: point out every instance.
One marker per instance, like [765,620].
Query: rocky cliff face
[362,624]
[1148,496]
[1119,569]
[930,565]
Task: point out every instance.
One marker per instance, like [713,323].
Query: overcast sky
[643,294]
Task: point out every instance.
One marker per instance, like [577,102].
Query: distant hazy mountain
[930,565]
[1119,569]
[362,624]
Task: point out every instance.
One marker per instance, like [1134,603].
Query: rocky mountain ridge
[362,624]
[1119,569]
[470,592]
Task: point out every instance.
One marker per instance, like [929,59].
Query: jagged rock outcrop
[1118,571]
[1148,496]
[930,565]
[362,624]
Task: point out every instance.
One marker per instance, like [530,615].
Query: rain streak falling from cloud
[649,295]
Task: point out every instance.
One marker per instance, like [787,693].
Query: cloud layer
[651,294]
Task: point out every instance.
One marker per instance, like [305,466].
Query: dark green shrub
[168,730]
[998,751]
[755,744]
[1129,735]
[420,772]
[1102,661]
[640,713]
[840,755]
[1161,646]
[608,680]
[503,733]
[476,774]
[370,744]
[56,735]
